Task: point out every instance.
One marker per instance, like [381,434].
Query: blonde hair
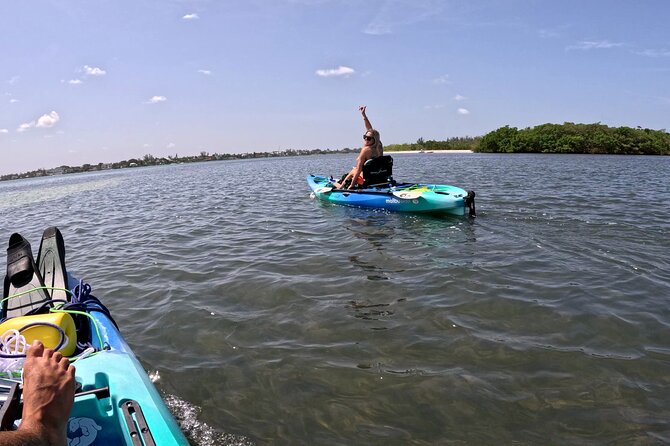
[377,146]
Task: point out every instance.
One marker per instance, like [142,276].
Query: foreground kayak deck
[133,412]
[115,401]
[405,197]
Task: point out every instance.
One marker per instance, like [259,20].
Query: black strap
[137,424]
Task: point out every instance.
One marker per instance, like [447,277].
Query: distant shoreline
[150,160]
[567,138]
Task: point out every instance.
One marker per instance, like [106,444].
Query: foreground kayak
[405,197]
[116,402]
[134,409]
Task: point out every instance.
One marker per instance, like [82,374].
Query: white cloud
[459,98]
[156,100]
[13,80]
[463,111]
[654,53]
[88,71]
[25,126]
[433,107]
[13,101]
[339,71]
[442,80]
[4,131]
[205,72]
[547,33]
[378,29]
[193,16]
[170,145]
[587,45]
[93,71]
[49,120]
[45,121]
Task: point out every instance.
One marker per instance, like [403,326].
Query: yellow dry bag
[43,328]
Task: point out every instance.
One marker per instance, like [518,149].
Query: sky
[89,81]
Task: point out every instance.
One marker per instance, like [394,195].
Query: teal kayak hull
[406,197]
[131,410]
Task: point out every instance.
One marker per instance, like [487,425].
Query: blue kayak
[404,197]
[380,191]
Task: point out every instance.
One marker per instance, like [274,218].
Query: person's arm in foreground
[48,395]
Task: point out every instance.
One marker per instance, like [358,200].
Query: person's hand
[48,394]
[362,109]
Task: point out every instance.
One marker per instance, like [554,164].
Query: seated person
[372,148]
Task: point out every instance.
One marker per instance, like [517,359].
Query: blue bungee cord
[81,292]
[82,297]
[83,303]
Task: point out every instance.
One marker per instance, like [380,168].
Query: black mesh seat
[378,171]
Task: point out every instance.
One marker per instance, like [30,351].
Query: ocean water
[271,318]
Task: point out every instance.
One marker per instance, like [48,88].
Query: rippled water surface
[275,319]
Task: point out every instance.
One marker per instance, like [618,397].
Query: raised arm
[368,126]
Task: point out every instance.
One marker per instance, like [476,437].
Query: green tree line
[462,143]
[555,138]
[576,138]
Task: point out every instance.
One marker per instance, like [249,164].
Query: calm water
[274,319]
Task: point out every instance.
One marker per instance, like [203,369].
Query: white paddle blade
[407,195]
[323,190]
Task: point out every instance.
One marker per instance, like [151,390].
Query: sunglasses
[368,138]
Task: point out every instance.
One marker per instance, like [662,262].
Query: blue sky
[90,81]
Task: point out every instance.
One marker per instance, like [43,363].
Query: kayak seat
[378,171]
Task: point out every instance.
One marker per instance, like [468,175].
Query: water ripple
[272,318]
